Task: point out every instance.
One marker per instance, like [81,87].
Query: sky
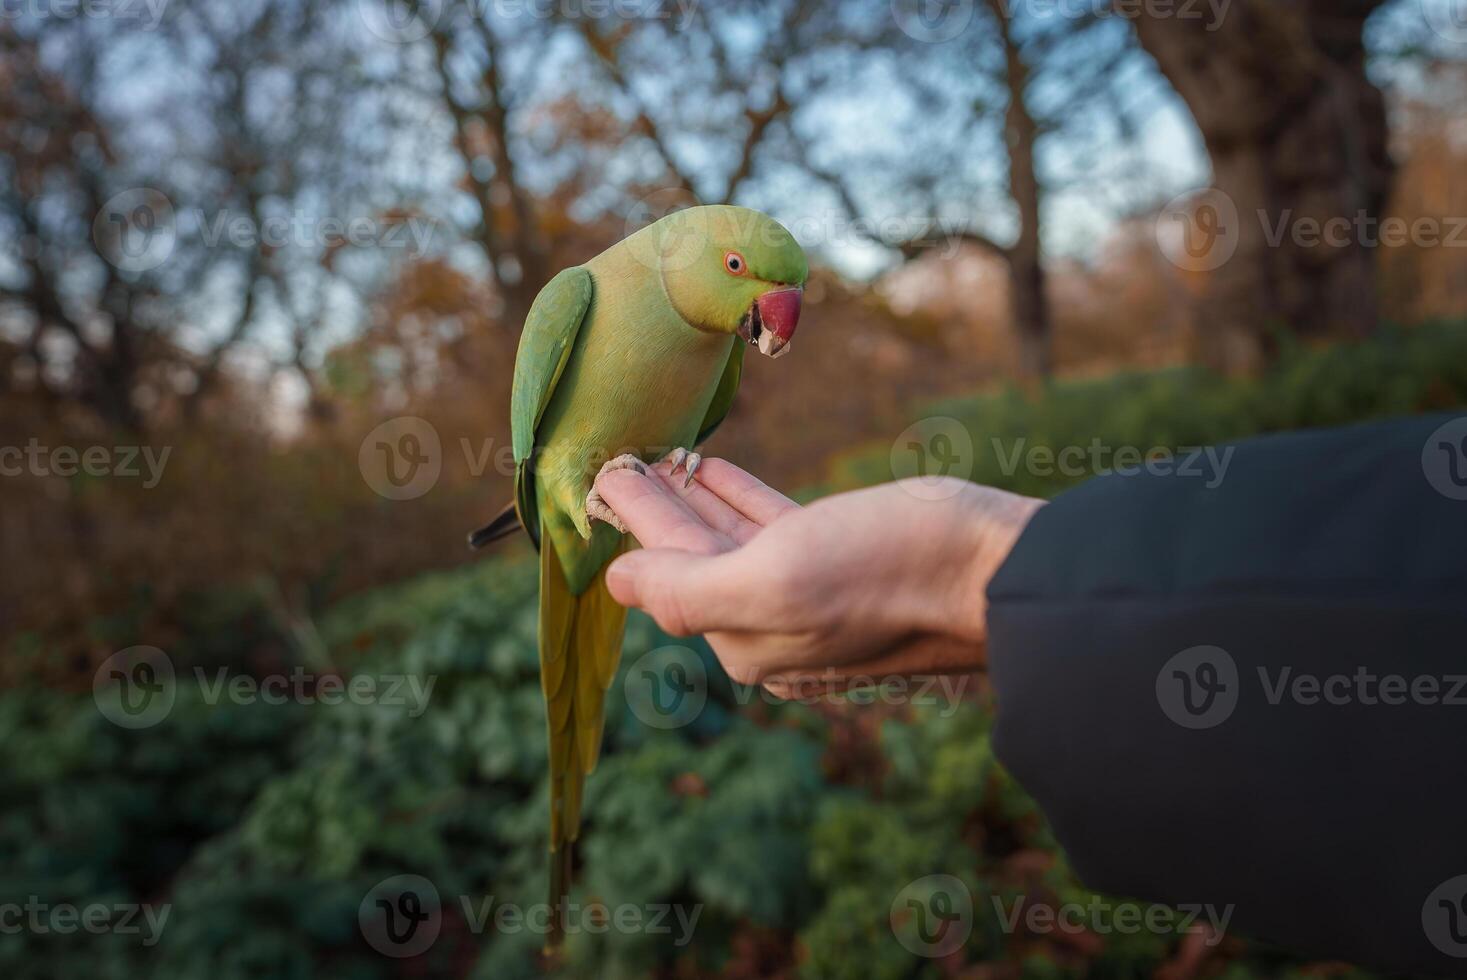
[869,126]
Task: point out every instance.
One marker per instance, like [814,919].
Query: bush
[265,827]
[1401,372]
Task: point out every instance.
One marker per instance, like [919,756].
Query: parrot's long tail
[580,645]
[505,523]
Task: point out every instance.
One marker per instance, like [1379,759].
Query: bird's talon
[597,509]
[683,457]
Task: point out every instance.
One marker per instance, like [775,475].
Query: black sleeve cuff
[1248,687]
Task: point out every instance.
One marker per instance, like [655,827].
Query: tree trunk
[1298,141]
[1031,316]
[1028,302]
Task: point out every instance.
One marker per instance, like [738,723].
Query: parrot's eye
[734,263]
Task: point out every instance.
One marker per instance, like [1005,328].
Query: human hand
[871,584]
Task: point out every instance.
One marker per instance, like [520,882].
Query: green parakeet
[636,352]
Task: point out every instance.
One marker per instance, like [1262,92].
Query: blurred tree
[603,127]
[1422,275]
[484,99]
[55,156]
[1010,109]
[1296,131]
[184,196]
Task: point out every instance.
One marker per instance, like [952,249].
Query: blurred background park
[263,265]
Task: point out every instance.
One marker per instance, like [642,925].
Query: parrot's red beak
[771,321]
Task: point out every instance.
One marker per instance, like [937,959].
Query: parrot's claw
[597,509]
[683,457]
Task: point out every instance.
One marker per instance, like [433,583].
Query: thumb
[679,589]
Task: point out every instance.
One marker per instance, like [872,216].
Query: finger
[655,515]
[686,593]
[759,503]
[714,511]
[920,658]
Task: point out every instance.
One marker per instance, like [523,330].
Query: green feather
[633,352]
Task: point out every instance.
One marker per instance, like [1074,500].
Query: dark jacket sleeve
[1247,686]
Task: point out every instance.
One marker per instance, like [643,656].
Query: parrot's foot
[684,457]
[596,508]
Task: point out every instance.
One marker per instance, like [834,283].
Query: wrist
[986,525]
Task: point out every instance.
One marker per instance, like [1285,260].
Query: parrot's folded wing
[546,343]
[723,395]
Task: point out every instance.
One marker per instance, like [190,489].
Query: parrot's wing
[723,395]
[545,347]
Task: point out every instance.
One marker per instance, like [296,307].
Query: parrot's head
[732,270]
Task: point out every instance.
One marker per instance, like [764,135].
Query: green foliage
[263,827]
[1403,371]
